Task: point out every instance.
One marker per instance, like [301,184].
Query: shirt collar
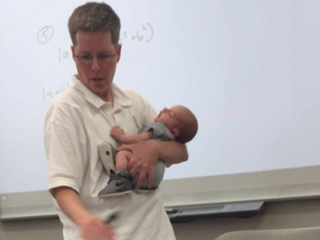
[119,97]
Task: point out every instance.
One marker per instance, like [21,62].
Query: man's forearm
[91,227]
[172,152]
[70,203]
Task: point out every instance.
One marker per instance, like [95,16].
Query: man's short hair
[94,17]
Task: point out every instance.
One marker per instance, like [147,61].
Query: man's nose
[95,66]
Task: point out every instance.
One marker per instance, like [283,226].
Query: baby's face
[170,117]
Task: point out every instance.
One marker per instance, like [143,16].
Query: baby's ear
[175,132]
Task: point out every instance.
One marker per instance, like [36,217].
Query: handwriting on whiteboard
[143,34]
[45,34]
[50,94]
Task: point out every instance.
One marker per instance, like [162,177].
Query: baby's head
[181,122]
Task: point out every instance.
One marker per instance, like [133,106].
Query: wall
[285,214]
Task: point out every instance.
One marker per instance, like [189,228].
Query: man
[79,121]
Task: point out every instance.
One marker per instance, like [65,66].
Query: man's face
[96,59]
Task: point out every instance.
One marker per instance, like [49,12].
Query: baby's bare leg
[120,181]
[122,159]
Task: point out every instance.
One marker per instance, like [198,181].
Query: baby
[177,123]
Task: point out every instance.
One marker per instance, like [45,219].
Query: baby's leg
[120,181]
[122,159]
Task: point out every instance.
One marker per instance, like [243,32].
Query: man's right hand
[90,226]
[94,228]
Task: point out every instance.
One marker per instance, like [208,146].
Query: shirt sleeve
[159,131]
[65,148]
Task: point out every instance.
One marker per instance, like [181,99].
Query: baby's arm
[119,134]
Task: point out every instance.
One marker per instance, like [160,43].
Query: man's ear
[175,132]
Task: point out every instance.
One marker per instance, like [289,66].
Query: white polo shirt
[76,124]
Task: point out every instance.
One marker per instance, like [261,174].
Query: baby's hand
[117,133]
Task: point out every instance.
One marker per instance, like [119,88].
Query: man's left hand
[143,160]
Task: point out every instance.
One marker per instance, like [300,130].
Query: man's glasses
[101,58]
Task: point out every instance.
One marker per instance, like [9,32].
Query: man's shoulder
[68,103]
[71,97]
[133,95]
[143,112]
[138,102]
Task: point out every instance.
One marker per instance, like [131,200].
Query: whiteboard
[248,69]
